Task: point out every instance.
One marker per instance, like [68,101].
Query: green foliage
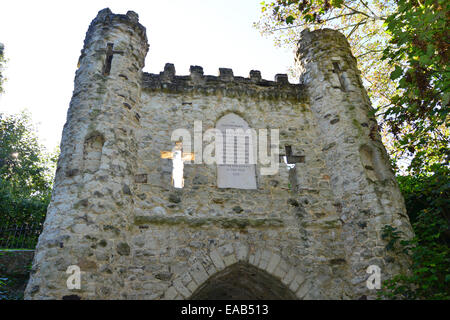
[392,236]
[361,22]
[26,171]
[427,201]
[402,51]
[419,52]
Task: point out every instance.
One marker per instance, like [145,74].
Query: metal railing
[24,236]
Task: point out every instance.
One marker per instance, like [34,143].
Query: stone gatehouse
[309,231]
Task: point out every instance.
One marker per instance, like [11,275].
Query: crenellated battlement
[225,82]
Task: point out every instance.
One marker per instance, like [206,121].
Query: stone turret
[361,175]
[309,230]
[93,192]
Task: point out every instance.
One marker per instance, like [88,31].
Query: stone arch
[226,262]
[242,281]
[236,112]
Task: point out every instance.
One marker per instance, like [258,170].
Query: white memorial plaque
[238,167]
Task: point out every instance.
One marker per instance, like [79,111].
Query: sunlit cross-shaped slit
[178,158]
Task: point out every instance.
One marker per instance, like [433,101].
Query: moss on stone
[94,113]
[358,126]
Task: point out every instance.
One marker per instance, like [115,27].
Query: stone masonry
[308,232]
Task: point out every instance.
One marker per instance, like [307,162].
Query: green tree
[427,201]
[418,51]
[26,171]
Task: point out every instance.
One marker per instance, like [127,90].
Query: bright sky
[43,40]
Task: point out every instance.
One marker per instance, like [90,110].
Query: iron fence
[24,236]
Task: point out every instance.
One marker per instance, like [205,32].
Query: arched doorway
[242,281]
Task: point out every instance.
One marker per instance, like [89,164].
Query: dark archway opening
[242,281]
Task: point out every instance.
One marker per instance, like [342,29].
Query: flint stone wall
[313,230]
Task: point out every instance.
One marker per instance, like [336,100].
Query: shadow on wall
[15,268]
[373,164]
